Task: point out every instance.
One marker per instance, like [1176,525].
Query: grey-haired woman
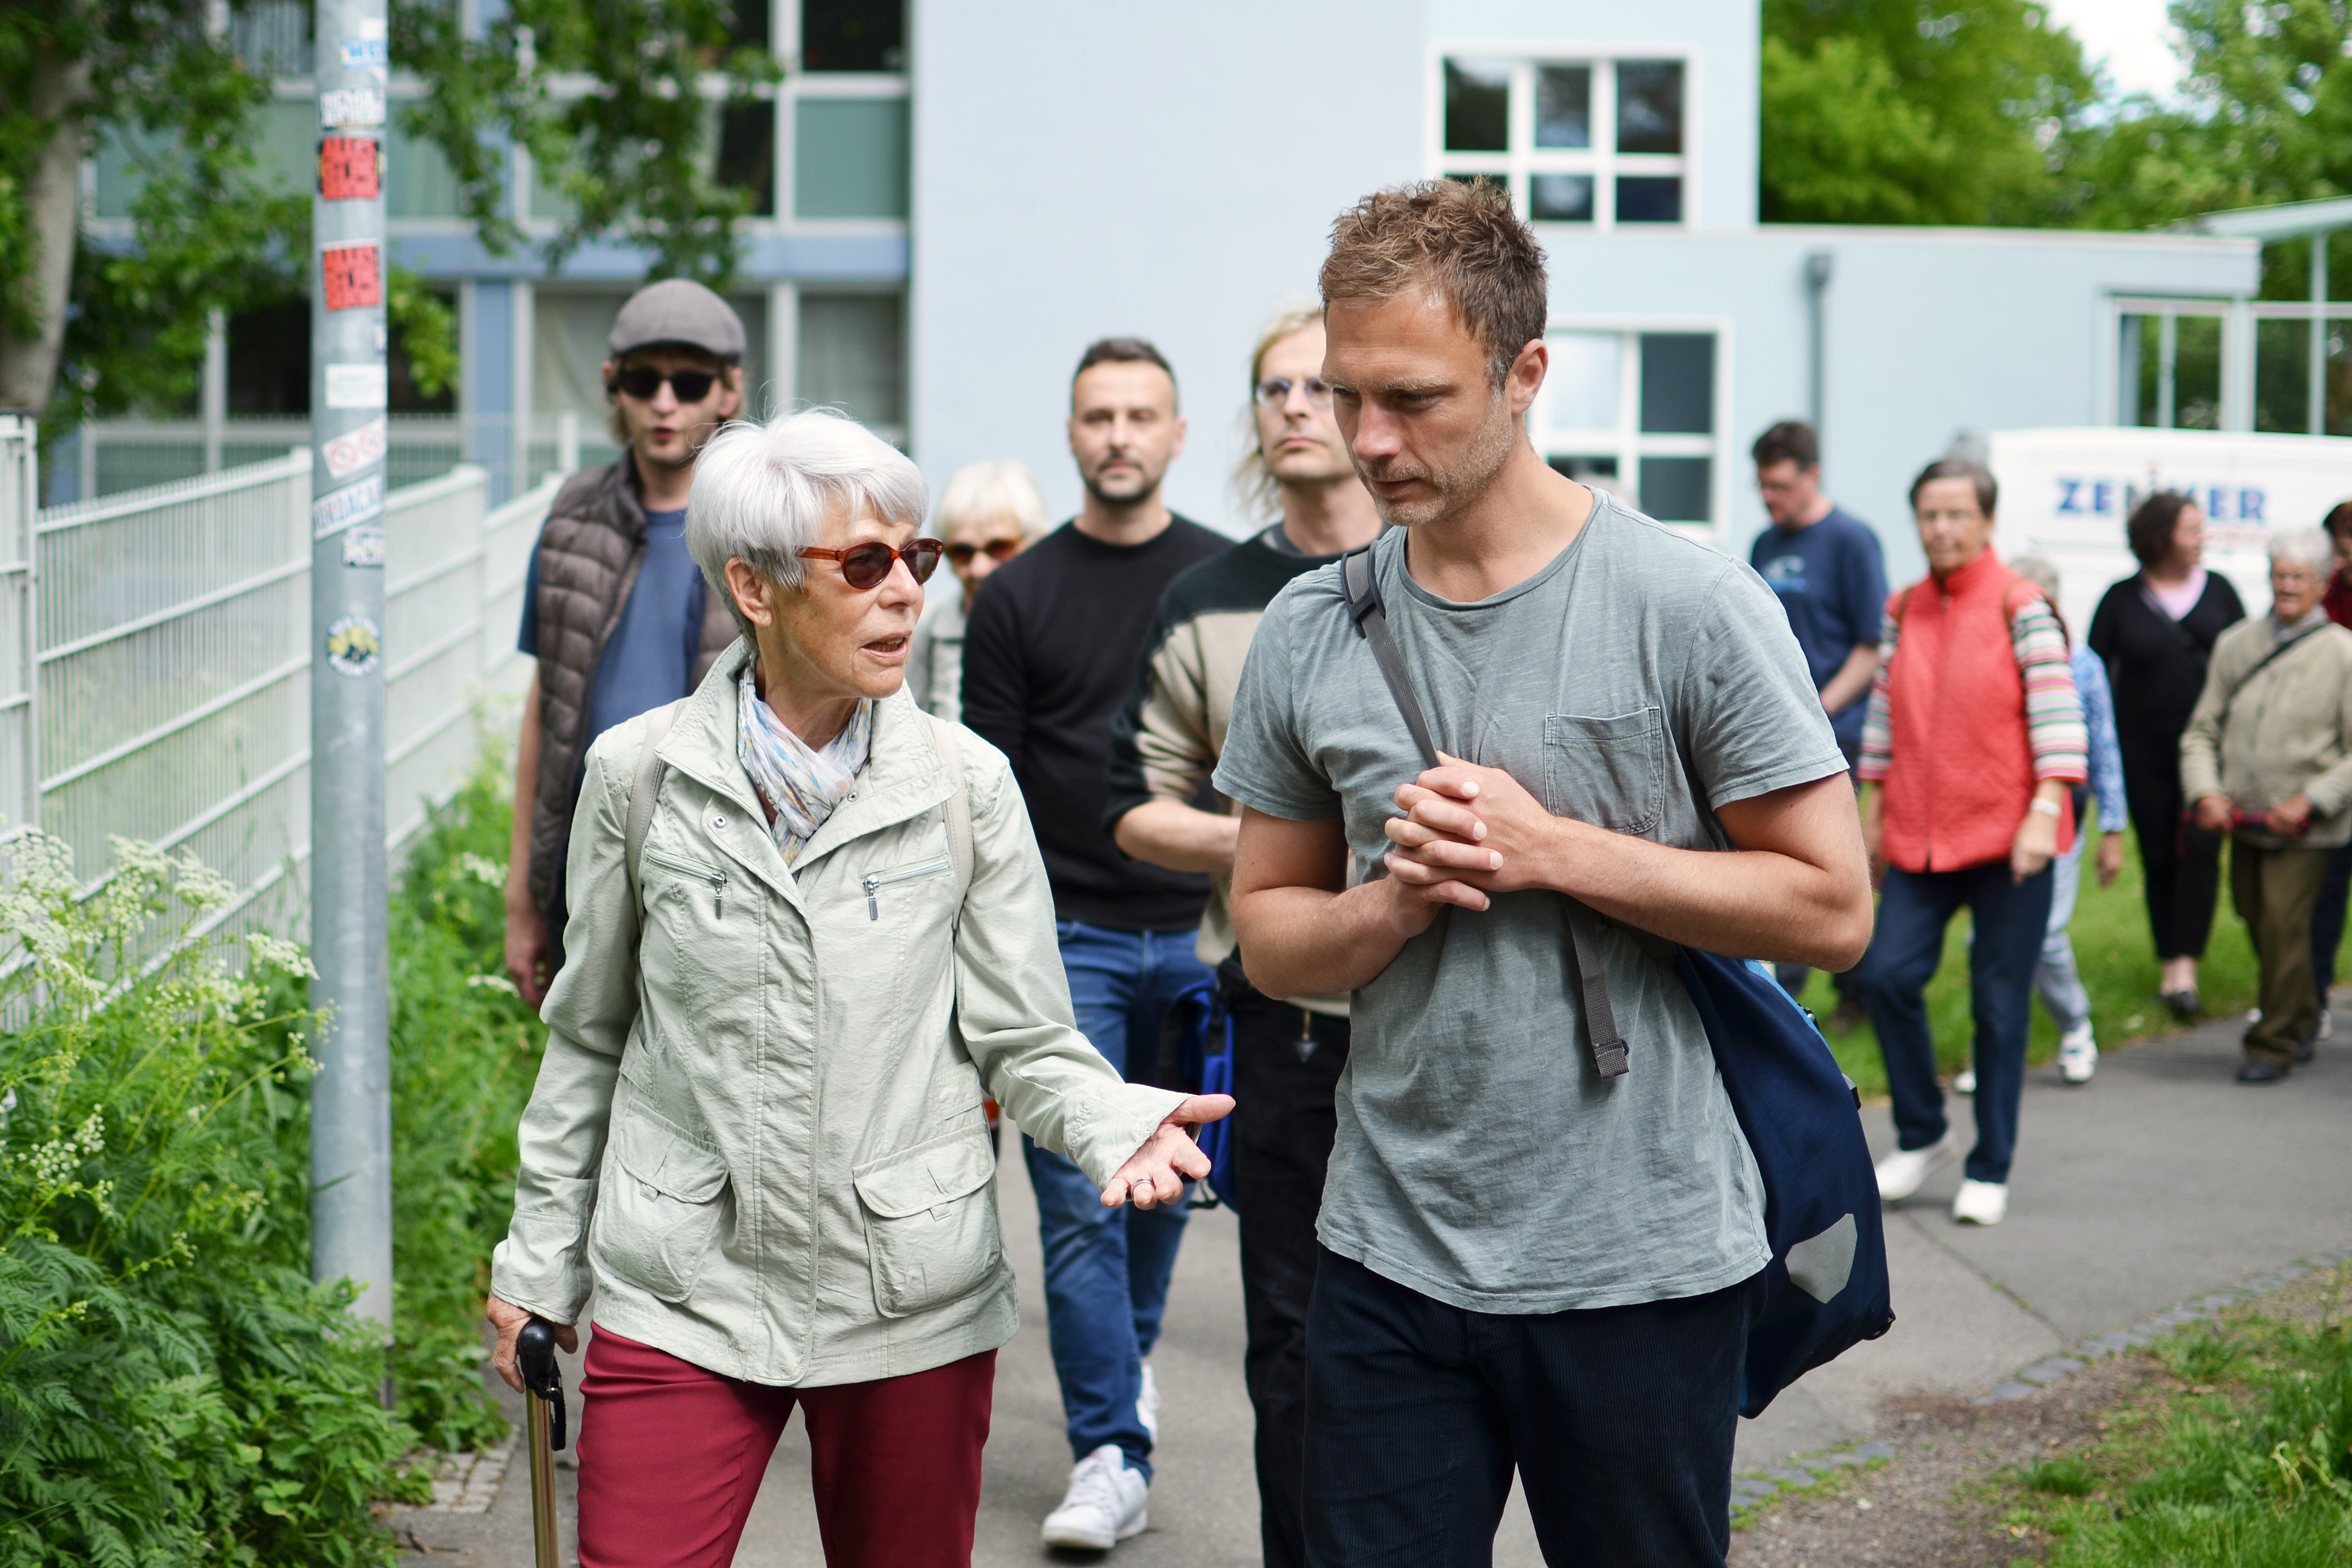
[793,974]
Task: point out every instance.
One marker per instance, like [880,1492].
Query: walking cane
[535,1353]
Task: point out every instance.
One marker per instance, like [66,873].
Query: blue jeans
[1619,1421]
[1106,1269]
[2055,978]
[2011,921]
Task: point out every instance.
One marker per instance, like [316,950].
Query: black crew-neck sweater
[1049,655]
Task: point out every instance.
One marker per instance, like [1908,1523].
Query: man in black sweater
[1049,655]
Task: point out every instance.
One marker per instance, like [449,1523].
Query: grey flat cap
[677,311]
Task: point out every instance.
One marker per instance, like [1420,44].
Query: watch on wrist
[2047,807]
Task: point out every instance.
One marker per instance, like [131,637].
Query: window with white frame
[1635,411]
[1577,139]
[2171,361]
[844,112]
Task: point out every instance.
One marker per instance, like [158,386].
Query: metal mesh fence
[155,660]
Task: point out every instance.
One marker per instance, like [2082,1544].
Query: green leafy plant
[173,1386]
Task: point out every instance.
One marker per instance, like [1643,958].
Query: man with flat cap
[613,608]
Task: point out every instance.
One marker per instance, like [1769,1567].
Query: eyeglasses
[961,552]
[865,566]
[1274,391]
[692,386]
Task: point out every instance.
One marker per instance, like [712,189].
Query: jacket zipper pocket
[700,872]
[877,881]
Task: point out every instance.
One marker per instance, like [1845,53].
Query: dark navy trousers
[1619,1422]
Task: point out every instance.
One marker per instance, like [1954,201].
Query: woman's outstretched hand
[1156,1173]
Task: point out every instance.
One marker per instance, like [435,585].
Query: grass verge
[2241,1456]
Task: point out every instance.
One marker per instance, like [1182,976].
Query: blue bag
[1825,1289]
[1204,1031]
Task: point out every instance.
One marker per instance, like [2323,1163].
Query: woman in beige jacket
[2267,757]
[797,963]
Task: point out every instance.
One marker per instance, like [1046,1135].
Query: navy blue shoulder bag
[1825,1289]
[1204,1041]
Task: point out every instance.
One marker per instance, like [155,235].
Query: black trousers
[2183,861]
[1619,1422]
[1286,1063]
[2327,922]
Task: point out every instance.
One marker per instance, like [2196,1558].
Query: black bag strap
[2264,663]
[1361,585]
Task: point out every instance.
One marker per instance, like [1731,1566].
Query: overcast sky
[2131,36]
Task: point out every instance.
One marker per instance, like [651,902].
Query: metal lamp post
[351,1105]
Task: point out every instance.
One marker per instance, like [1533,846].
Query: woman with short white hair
[2267,757]
[989,513]
[809,931]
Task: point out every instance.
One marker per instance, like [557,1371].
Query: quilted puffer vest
[588,553]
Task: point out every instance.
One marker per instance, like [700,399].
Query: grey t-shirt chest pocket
[1611,772]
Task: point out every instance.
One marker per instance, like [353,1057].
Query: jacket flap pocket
[924,1177]
[665,1159]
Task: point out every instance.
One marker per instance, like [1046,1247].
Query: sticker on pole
[353,450]
[351,168]
[353,275]
[356,386]
[355,645]
[364,546]
[353,504]
[347,105]
[363,53]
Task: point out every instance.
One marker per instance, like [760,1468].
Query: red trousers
[671,1457]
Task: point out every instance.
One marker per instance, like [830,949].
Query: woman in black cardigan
[2155,631]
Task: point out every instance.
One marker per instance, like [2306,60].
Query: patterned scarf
[799,786]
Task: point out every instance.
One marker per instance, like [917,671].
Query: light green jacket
[757,1128]
[2263,738]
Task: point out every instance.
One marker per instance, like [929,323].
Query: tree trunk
[28,366]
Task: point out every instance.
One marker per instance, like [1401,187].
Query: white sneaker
[1103,1507]
[1147,1405]
[2327,1025]
[1981,1203]
[1964,1081]
[1902,1173]
[2078,1054]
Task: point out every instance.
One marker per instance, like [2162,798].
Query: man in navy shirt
[1826,570]
[614,610]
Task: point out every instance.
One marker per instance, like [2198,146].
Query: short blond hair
[1254,481]
[982,490]
[1461,242]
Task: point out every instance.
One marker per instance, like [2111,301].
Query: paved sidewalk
[2158,1182]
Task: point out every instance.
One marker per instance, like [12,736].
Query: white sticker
[364,546]
[357,386]
[372,27]
[347,105]
[353,504]
[363,53]
[355,449]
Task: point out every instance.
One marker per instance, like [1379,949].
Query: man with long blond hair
[1164,745]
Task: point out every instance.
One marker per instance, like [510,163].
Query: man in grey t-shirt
[1523,1264]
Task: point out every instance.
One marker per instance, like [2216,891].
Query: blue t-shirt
[650,659]
[1832,580]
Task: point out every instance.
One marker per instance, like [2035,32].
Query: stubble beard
[1455,488]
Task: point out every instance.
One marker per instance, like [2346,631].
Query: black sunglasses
[865,566]
[692,386]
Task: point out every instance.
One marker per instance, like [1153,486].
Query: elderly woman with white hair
[2267,757]
[989,513]
[809,931]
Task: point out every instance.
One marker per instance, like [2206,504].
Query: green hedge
[172,1387]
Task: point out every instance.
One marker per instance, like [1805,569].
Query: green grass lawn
[2119,969]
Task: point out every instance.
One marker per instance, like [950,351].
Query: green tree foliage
[631,158]
[172,1387]
[1902,111]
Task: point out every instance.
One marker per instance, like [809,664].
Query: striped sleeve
[1877,734]
[2054,712]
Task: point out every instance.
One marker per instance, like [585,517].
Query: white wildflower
[482,869]
[278,953]
[493,983]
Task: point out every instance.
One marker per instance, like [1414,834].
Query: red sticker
[353,278]
[351,168]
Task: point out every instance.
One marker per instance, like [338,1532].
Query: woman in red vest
[1974,736]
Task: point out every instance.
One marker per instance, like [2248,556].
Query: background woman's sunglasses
[692,386]
[961,552]
[865,566]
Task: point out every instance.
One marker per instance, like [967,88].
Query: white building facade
[956,197]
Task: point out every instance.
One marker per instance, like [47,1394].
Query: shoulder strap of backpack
[959,804]
[1361,585]
[643,791]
